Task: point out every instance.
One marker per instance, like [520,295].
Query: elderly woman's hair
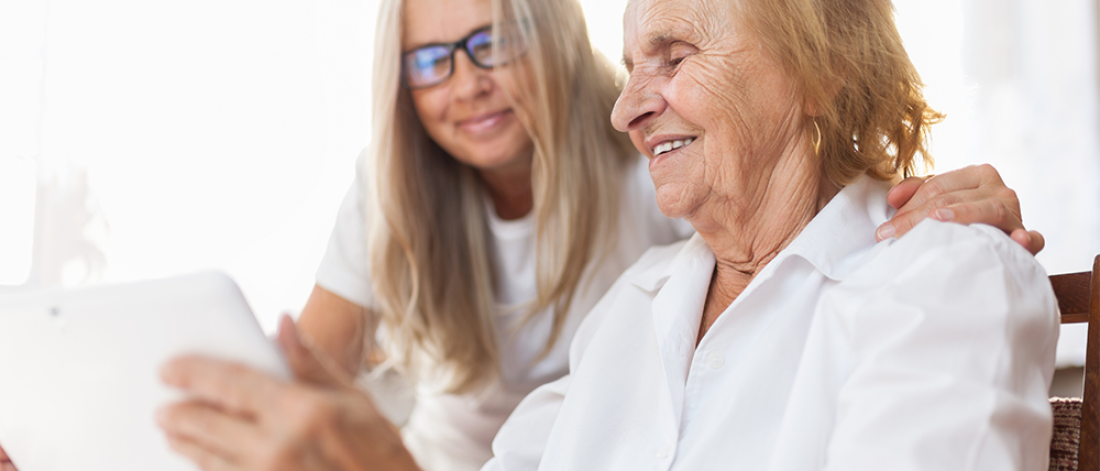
[849,61]
[428,241]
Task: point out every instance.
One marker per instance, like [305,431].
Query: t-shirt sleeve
[344,269]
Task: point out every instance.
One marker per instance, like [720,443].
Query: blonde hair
[428,239]
[878,120]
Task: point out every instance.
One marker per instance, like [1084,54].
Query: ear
[832,89]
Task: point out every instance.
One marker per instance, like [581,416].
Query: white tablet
[79,369]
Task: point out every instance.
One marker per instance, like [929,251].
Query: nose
[638,104]
[469,81]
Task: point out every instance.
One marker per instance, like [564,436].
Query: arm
[970,195]
[951,358]
[340,328]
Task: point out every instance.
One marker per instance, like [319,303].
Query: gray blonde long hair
[428,240]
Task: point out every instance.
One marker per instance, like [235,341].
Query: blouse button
[715,360]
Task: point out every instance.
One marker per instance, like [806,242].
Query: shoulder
[954,279]
[935,246]
[344,268]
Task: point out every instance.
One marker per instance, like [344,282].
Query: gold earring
[817,138]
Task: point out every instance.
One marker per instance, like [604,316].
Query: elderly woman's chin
[678,182]
[677,199]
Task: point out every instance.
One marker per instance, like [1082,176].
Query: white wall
[179,136]
[208,134]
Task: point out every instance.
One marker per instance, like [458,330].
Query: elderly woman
[782,336]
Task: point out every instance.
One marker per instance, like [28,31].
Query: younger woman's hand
[242,419]
[970,195]
[5,462]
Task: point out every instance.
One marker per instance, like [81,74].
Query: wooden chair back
[1079,300]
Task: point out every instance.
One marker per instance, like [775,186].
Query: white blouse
[453,432]
[932,352]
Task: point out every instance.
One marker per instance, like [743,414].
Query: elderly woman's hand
[970,195]
[241,419]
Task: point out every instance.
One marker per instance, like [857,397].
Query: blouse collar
[834,242]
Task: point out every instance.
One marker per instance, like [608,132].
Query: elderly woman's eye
[678,52]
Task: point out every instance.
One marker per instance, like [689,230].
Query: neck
[510,189]
[747,232]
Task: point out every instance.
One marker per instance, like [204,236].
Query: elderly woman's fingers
[206,460]
[215,431]
[232,387]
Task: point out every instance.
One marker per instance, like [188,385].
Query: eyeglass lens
[431,65]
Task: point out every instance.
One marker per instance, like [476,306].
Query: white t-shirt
[454,432]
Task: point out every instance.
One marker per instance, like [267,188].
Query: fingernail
[885,231]
[944,214]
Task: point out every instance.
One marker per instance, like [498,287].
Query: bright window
[17,199]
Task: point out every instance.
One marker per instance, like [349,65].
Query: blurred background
[144,139]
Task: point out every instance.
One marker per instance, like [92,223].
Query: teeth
[671,145]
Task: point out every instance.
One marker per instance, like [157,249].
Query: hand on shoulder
[970,195]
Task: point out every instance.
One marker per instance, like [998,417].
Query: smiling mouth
[484,123]
[669,146]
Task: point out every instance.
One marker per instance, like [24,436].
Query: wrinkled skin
[700,47]
[729,142]
[749,180]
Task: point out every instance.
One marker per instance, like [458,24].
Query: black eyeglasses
[433,64]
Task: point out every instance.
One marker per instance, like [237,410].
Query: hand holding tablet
[241,419]
[5,463]
[79,381]
[86,377]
